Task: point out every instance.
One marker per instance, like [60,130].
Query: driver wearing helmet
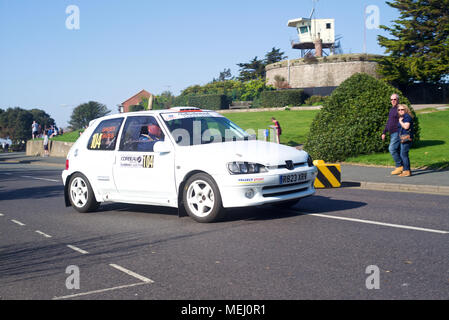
[152,132]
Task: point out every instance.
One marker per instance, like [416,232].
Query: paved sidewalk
[380,178]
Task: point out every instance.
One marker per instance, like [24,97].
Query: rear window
[105,135]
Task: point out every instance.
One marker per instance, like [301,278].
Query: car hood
[266,153]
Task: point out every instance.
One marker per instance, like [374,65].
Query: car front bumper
[259,189]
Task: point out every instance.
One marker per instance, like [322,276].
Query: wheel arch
[66,188]
[181,210]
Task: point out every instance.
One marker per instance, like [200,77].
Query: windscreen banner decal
[137,161]
[185,115]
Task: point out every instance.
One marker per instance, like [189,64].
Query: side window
[140,134]
[105,135]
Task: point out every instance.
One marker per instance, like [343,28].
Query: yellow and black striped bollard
[329,175]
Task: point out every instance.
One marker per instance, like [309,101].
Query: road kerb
[438,190]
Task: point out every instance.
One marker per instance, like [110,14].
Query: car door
[100,156]
[142,175]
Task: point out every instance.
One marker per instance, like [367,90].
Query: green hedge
[208,101]
[282,98]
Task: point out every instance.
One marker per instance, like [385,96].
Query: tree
[16,123]
[419,47]
[275,55]
[164,101]
[224,76]
[252,70]
[86,112]
[256,68]
[42,118]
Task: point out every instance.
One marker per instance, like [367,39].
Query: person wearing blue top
[405,127]
[149,135]
[392,128]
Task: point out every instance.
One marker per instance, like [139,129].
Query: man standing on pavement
[34,129]
[393,130]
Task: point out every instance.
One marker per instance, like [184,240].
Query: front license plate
[293,178]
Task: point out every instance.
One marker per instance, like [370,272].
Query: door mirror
[163,147]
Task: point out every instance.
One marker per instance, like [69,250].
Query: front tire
[81,195]
[202,199]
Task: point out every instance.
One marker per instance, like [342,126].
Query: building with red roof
[135,100]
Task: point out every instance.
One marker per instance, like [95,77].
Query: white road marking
[133,274]
[44,179]
[77,249]
[43,234]
[99,291]
[380,223]
[1,214]
[18,222]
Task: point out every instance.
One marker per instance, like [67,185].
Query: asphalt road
[321,249]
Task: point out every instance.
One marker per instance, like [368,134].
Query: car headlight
[310,161]
[245,168]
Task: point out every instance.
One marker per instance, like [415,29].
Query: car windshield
[195,128]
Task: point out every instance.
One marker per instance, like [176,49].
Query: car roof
[150,112]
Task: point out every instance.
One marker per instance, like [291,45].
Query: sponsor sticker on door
[137,161]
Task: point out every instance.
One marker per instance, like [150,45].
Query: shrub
[235,90]
[315,100]
[208,101]
[136,107]
[280,82]
[282,98]
[352,120]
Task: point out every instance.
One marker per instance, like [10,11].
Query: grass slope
[295,124]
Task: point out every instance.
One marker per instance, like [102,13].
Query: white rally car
[191,159]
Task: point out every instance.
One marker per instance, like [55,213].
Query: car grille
[284,166]
[274,191]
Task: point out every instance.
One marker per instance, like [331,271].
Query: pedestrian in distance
[7,144]
[393,129]
[46,153]
[50,131]
[34,129]
[406,137]
[277,129]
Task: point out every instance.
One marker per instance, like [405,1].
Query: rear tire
[81,195]
[202,199]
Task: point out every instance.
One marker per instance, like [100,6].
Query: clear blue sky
[123,47]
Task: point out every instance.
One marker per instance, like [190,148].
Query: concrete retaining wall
[322,72]
[56,148]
